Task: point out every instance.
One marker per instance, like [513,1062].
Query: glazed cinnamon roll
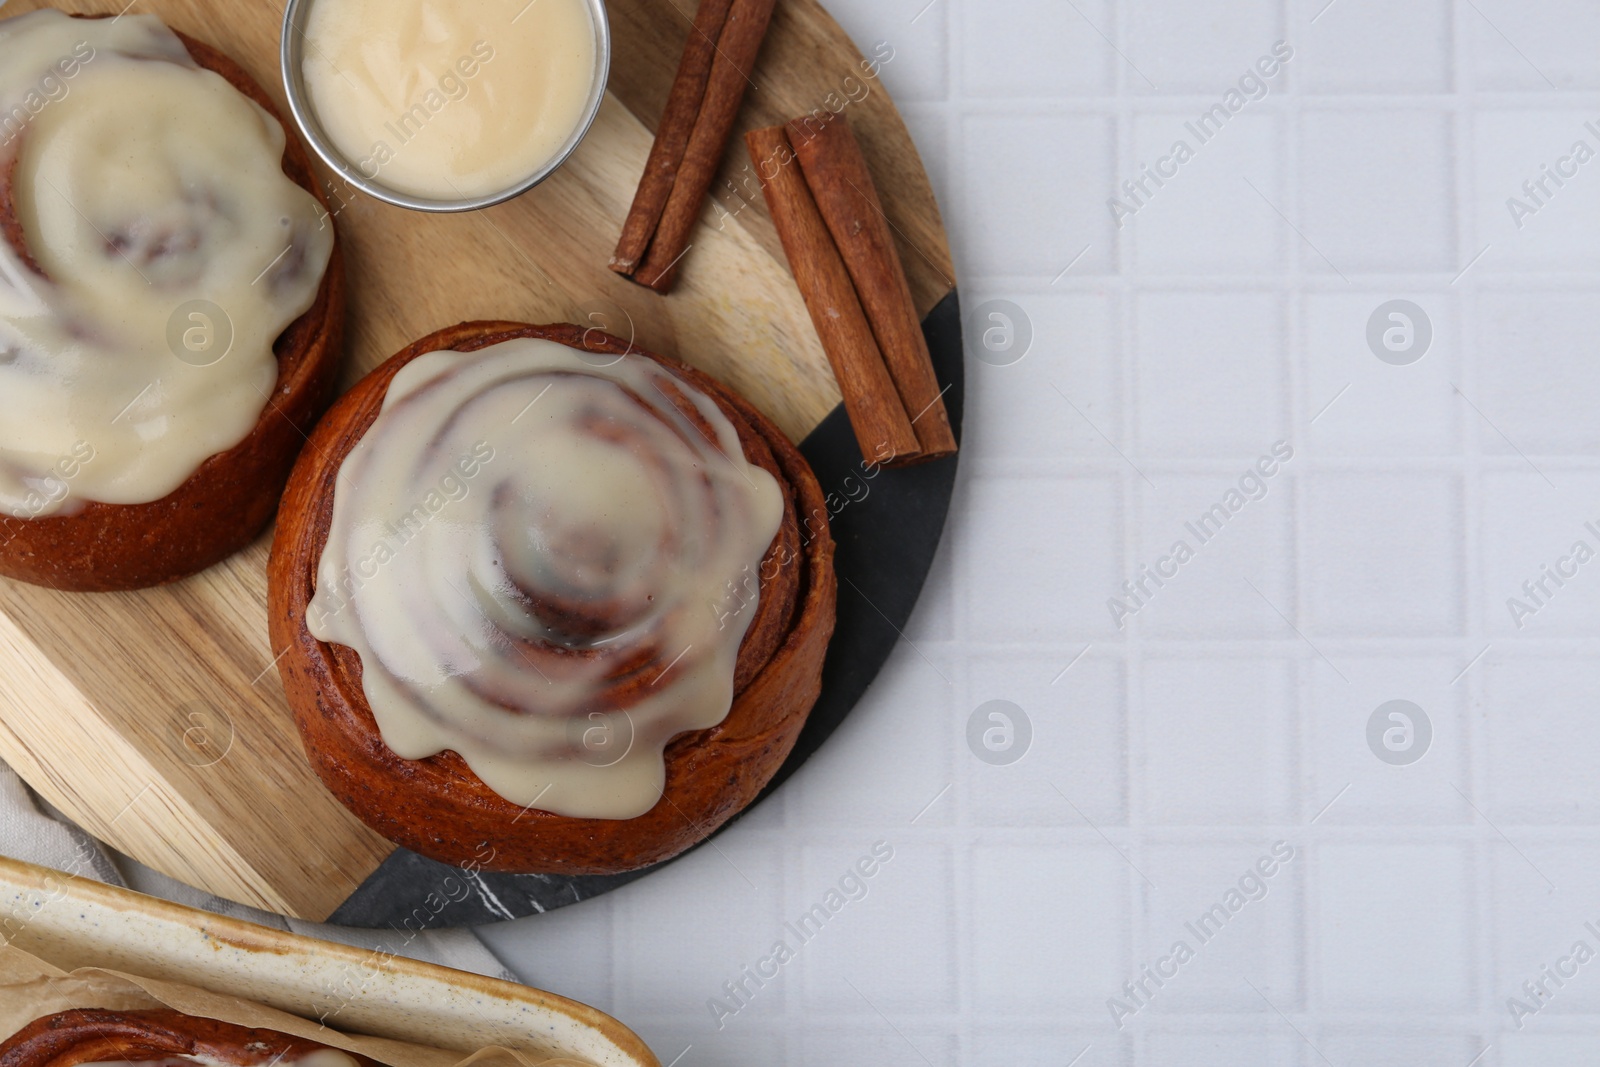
[171,302]
[550,603]
[160,1038]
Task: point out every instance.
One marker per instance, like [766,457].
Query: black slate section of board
[886,543]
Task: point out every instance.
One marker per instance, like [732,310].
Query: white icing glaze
[143,184]
[322,1057]
[449,99]
[521,533]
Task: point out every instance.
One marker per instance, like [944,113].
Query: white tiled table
[1231,712]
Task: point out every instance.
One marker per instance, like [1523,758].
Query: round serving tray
[886,543]
[157,720]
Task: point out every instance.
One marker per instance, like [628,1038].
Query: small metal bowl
[305,115]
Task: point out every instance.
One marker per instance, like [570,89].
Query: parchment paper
[30,989]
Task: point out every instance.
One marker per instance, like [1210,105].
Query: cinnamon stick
[876,411]
[672,136]
[836,171]
[731,67]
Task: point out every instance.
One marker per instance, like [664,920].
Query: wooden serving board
[156,719]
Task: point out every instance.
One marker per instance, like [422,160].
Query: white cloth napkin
[31,830]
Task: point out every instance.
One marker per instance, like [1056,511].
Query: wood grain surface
[156,719]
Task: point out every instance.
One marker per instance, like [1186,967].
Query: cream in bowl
[445,104]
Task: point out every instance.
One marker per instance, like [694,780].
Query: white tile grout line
[1297,400]
[1464,303]
[1307,948]
[1135,494]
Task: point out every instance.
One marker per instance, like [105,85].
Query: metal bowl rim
[290,54]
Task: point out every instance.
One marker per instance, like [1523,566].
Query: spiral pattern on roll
[153,251]
[532,555]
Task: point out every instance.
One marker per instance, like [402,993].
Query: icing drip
[530,553]
[165,251]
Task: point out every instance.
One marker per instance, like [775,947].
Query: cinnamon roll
[171,303]
[550,603]
[160,1038]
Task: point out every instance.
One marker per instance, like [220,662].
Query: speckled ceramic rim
[292,50]
[97,925]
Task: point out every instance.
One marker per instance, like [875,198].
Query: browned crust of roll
[437,806]
[232,496]
[88,1035]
